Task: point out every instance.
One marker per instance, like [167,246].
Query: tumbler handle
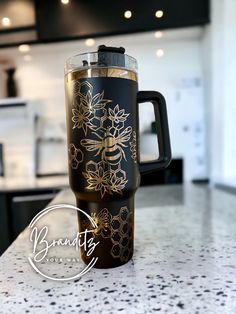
[162,128]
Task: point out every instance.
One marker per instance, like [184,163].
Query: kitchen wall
[178,74]
[219,64]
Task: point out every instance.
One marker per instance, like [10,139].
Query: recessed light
[65,1]
[24,48]
[160,53]
[158,34]
[6,22]
[27,58]
[159,14]
[90,42]
[128,14]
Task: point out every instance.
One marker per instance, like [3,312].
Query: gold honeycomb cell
[74,164]
[115,251]
[124,213]
[125,227]
[115,224]
[115,237]
[76,156]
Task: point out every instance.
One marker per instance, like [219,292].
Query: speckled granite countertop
[32,183]
[184,262]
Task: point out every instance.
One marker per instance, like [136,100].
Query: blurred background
[185,49]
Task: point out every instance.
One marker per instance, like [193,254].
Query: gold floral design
[76,156]
[81,119]
[117,115]
[107,137]
[105,181]
[117,183]
[98,180]
[85,104]
[92,103]
[133,147]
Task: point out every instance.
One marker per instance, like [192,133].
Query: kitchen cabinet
[98,18]
[17,22]
[20,201]
[48,21]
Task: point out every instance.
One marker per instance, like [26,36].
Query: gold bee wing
[104,218]
[125,135]
[91,145]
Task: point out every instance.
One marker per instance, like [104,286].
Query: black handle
[163,137]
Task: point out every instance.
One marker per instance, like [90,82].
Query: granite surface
[32,183]
[184,261]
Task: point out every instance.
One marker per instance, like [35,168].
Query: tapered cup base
[111,236]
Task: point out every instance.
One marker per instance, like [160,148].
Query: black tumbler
[103,147]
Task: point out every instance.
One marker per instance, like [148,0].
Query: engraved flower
[117,184]
[83,93]
[85,104]
[97,101]
[98,180]
[81,119]
[117,115]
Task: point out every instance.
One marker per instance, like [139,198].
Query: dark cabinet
[173,174]
[17,210]
[82,18]
[24,208]
[35,21]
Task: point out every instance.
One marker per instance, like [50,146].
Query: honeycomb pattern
[76,156]
[118,228]
[122,235]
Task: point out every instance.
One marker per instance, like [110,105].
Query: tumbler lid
[111,56]
[104,57]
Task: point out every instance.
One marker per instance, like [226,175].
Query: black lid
[111,56]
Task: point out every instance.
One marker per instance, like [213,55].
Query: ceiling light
[65,1]
[6,21]
[90,42]
[27,58]
[127,14]
[159,14]
[24,48]
[158,34]
[160,53]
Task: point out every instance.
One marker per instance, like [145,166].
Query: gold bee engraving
[110,145]
[110,138]
[103,222]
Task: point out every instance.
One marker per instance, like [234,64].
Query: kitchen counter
[184,261]
[32,183]
[16,191]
